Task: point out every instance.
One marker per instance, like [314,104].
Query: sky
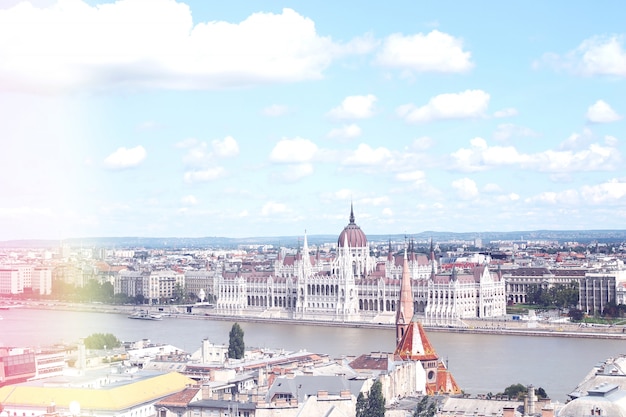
[195,118]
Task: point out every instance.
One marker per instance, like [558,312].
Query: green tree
[236,346]
[541,393]
[576,314]
[361,405]
[374,405]
[101,340]
[515,391]
[426,407]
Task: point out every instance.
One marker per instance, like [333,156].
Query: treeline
[558,296]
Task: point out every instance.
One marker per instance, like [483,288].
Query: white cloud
[200,155]
[140,44]
[387,212]
[189,200]
[577,140]
[228,147]
[350,131]
[204,175]
[601,112]
[467,104]
[272,207]
[124,158]
[598,55]
[293,150]
[508,112]
[417,177]
[466,188]
[354,107]
[506,198]
[480,156]
[564,198]
[609,192]
[366,155]
[433,52]
[275,110]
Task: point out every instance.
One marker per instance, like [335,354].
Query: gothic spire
[351,214]
[405,305]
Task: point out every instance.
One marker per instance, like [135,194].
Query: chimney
[547,412]
[508,412]
[322,394]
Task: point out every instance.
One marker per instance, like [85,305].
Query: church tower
[412,344]
[404,313]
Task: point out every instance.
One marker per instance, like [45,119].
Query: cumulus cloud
[480,157]
[202,155]
[228,147]
[466,188]
[293,151]
[354,107]
[565,197]
[508,112]
[124,158]
[598,55]
[416,177]
[350,131]
[204,175]
[137,44]
[366,155]
[602,112]
[467,104]
[609,192]
[433,52]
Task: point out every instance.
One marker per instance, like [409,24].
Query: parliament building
[352,285]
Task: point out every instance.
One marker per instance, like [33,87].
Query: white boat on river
[144,315]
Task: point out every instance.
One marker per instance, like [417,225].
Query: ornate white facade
[353,285]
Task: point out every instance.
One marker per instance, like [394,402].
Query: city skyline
[192,118]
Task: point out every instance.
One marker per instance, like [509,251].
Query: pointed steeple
[389,253]
[305,246]
[405,311]
[351,214]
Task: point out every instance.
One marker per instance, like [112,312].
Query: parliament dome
[352,234]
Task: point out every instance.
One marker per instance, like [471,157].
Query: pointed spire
[389,253]
[305,246]
[405,310]
[351,214]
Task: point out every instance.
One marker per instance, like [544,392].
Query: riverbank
[505,327]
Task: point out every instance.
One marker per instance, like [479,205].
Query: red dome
[352,234]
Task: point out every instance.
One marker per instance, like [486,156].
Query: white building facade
[356,286]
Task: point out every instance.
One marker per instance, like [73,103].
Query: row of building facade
[347,283]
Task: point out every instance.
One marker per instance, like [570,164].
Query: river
[480,363]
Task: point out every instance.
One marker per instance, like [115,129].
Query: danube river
[480,363]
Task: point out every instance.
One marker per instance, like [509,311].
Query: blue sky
[267,118]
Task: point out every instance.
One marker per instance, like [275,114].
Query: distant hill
[582,236]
